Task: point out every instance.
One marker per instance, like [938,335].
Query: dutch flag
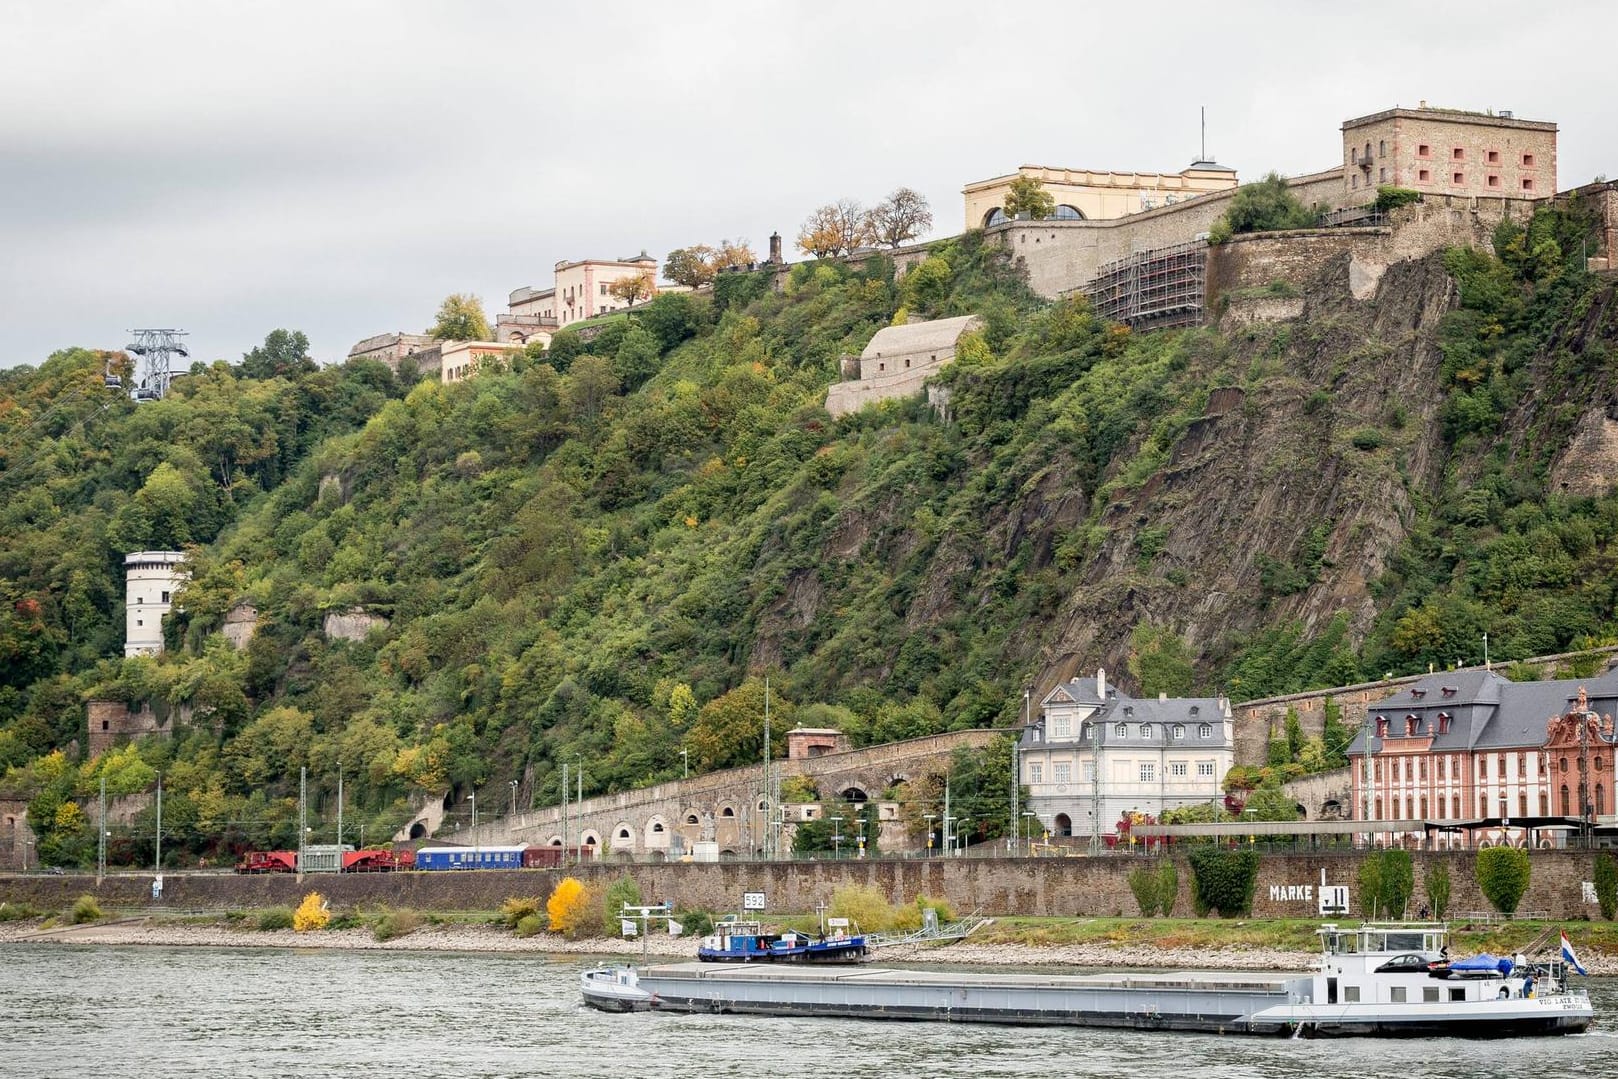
[1571,957]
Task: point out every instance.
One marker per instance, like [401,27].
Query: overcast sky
[339,167]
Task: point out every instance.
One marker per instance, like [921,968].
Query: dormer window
[1412,726]
[1418,693]
[1145,730]
[1443,722]
[1122,730]
[1381,726]
[1205,731]
[1179,731]
[1449,691]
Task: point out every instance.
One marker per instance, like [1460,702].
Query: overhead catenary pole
[303,819]
[101,834]
[1016,767]
[339,814]
[564,813]
[159,858]
[770,832]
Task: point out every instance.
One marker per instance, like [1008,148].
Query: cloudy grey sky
[339,167]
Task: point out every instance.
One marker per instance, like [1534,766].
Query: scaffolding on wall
[1157,289]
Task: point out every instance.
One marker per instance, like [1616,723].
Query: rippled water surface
[142,1013]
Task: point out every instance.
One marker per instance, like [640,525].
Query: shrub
[1143,881]
[1606,874]
[528,925]
[1389,197]
[396,923]
[345,921]
[1503,874]
[621,891]
[1223,881]
[570,910]
[85,909]
[694,923]
[275,918]
[1436,881]
[311,913]
[516,908]
[912,916]
[1366,438]
[1386,880]
[17,912]
[866,906]
[1168,887]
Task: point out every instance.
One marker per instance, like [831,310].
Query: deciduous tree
[691,266]
[835,229]
[902,216]
[461,318]
[633,289]
[284,353]
[1028,198]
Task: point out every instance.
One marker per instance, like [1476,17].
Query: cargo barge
[1373,980]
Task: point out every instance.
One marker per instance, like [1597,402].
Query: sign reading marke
[1292,893]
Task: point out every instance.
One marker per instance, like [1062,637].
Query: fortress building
[151,578]
[580,292]
[1087,195]
[1448,152]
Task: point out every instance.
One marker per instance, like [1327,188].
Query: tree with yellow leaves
[312,913]
[633,289]
[572,909]
[836,228]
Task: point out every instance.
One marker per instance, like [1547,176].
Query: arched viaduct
[727,808]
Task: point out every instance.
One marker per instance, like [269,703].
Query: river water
[144,1013]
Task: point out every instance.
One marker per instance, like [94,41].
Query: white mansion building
[1095,754]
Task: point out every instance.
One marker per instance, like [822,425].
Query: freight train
[332,859]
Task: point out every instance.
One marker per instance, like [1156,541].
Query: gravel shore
[491,938]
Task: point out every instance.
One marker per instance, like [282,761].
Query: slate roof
[1119,707]
[1487,710]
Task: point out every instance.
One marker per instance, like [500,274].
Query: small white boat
[614,989]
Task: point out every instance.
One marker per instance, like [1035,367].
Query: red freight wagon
[268,861]
[378,861]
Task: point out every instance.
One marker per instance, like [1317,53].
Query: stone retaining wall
[1056,886]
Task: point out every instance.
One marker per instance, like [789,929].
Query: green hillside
[601,552]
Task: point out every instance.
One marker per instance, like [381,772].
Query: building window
[1205,731]
[1494,157]
[1205,769]
[1382,148]
[1527,184]
[1088,770]
[165,597]
[1457,154]
[1179,731]
[1061,726]
[1382,175]
[1177,769]
[1145,730]
[1122,730]
[1062,772]
[1354,181]
[1084,732]
[1396,994]
[1423,150]
[1351,994]
[1424,175]
[1148,772]
[1458,178]
[1527,161]
[1494,181]
[603,288]
[1036,772]
[140,621]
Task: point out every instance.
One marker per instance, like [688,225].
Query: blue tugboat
[737,941]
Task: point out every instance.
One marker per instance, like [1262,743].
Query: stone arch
[727,811]
[623,836]
[854,796]
[418,830]
[657,834]
[1062,825]
[554,841]
[996,216]
[1065,212]
[691,819]
[590,839]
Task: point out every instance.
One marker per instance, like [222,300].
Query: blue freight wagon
[470,857]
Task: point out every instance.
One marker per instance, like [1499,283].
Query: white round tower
[150,580]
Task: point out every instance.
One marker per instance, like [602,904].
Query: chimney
[1101,683]
[775,248]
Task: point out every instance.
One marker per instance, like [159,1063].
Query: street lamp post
[836,838]
[962,833]
[685,764]
[930,818]
[473,798]
[1028,829]
[859,823]
[513,797]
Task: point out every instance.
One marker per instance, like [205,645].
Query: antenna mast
[155,349]
[1204,156]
